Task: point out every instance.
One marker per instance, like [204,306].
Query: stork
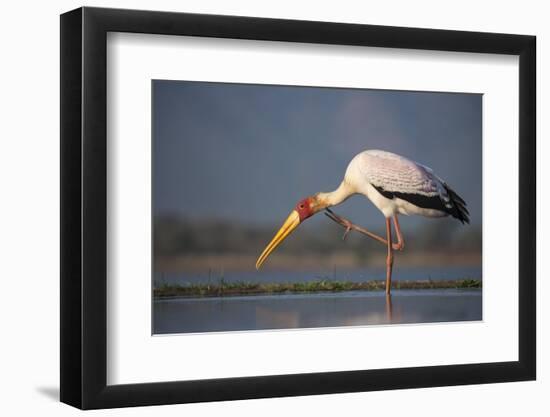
[395,185]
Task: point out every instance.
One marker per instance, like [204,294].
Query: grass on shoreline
[247,288]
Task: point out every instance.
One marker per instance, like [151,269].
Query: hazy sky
[249,152]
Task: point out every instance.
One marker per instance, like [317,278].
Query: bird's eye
[301,206]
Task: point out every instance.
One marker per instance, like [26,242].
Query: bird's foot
[346,233]
[340,220]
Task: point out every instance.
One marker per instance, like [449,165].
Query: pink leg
[350,226]
[400,241]
[389,258]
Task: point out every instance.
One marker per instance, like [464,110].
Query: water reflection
[389,309]
[185,315]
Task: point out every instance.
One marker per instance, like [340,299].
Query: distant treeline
[176,236]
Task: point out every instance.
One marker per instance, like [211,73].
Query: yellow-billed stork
[395,185]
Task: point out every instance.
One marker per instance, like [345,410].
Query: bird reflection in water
[315,310]
[389,309]
[307,313]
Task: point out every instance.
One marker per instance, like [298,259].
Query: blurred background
[232,160]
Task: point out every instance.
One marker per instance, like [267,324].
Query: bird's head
[306,207]
[303,210]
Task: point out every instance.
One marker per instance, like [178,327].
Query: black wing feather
[456,206]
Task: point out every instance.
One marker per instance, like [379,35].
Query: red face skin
[305,208]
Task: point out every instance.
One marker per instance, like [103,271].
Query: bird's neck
[342,193]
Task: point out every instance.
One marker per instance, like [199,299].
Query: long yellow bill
[289,225]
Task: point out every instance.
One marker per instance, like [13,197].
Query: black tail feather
[458,209]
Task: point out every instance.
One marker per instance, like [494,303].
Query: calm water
[354,308]
[355,275]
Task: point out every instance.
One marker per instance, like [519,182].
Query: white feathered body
[397,185]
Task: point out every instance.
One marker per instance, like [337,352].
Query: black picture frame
[84,207]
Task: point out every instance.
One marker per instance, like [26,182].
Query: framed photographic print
[257,208]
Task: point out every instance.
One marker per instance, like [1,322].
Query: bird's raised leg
[349,226]
[400,241]
[389,258]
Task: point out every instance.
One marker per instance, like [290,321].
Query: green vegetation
[248,288]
